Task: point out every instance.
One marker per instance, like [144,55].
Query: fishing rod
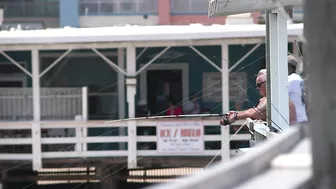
[169,117]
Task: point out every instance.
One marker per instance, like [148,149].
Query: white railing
[73,140]
[56,103]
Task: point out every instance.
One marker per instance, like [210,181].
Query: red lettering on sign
[162,133]
[165,133]
[198,132]
[190,132]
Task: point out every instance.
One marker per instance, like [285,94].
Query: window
[126,7]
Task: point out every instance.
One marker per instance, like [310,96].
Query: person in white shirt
[192,106]
[296,90]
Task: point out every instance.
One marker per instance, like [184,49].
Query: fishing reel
[225,120]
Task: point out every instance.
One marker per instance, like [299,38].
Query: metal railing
[110,7]
[189,6]
[56,103]
[30,9]
[79,140]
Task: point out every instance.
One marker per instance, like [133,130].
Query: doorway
[163,85]
[181,69]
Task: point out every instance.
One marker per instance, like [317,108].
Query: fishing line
[198,92]
[226,143]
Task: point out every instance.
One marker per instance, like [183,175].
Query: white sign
[180,137]
[212,86]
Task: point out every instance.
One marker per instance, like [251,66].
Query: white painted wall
[103,21]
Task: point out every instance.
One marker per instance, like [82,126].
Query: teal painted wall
[251,65]
[24,56]
[95,72]
[197,65]
[92,72]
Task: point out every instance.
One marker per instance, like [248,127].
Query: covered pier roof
[138,33]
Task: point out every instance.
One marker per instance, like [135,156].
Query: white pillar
[85,104]
[36,85]
[278,69]
[131,91]
[36,127]
[225,131]
[121,92]
[36,146]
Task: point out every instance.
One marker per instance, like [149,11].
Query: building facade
[101,13]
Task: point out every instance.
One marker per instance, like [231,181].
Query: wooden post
[319,32]
[268,65]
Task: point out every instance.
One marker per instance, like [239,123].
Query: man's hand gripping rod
[225,121]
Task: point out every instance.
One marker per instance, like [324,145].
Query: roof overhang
[138,36]
[230,7]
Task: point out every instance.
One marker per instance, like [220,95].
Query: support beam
[131,91]
[268,72]
[141,53]
[109,61]
[244,57]
[85,105]
[320,67]
[16,63]
[225,131]
[36,127]
[206,58]
[278,69]
[55,62]
[150,62]
[36,85]
[121,93]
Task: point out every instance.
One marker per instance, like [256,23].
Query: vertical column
[278,69]
[319,54]
[4,177]
[36,127]
[225,131]
[69,14]
[107,179]
[131,91]
[85,105]
[268,65]
[36,85]
[164,12]
[121,93]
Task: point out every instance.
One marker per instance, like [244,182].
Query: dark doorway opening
[163,85]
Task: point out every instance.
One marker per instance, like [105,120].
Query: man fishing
[259,112]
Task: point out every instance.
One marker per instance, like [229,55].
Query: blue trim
[188,13]
[118,14]
[69,13]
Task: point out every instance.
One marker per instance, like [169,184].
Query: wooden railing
[16,104]
[84,139]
